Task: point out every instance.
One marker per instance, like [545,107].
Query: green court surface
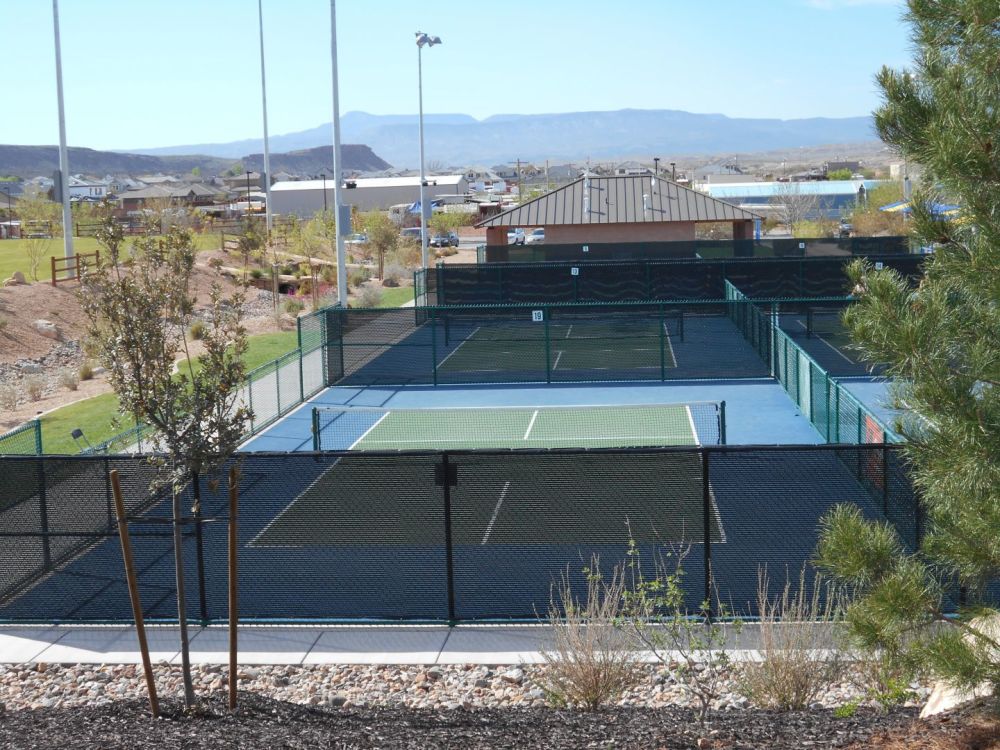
[517,427]
[358,502]
[590,346]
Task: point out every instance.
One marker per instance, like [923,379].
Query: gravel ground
[263,722]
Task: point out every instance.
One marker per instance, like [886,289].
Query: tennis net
[467,428]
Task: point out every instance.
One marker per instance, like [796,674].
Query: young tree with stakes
[942,345]
[139,307]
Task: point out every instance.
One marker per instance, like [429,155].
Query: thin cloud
[838,4]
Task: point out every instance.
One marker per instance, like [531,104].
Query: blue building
[833,197]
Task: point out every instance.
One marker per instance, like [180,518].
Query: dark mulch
[265,723]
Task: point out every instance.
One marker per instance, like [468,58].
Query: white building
[305,197]
[80,188]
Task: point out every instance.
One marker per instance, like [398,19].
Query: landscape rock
[15,279]
[46,328]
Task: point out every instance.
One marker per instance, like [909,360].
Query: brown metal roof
[633,199]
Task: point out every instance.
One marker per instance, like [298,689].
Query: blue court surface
[874,394]
[758,411]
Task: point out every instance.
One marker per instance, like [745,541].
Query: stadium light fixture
[422,41]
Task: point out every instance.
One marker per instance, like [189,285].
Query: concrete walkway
[409,644]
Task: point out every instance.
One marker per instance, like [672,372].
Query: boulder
[943,696]
[46,328]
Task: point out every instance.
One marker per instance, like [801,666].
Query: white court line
[558,357]
[670,346]
[253,542]
[452,352]
[694,432]
[569,330]
[377,423]
[816,335]
[496,512]
[530,425]
[658,438]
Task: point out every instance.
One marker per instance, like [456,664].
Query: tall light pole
[263,98]
[430,41]
[63,153]
[656,166]
[339,229]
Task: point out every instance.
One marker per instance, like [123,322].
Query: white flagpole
[341,259]
[63,153]
[267,148]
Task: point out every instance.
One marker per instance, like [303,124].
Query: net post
[707,530]
[315,429]
[434,355]
[826,402]
[722,422]
[548,346]
[663,346]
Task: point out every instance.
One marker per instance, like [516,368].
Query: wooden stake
[234,499]
[133,592]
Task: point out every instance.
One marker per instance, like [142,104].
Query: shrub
[393,274]
[329,274]
[293,307]
[3,323]
[69,379]
[8,396]
[358,276]
[34,386]
[256,273]
[798,661]
[197,330]
[370,296]
[592,662]
[86,371]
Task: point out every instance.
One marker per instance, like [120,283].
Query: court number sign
[574,271]
[537,316]
[878,265]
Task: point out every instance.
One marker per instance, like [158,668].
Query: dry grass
[592,662]
[798,660]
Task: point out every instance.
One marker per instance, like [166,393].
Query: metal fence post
[663,346]
[43,513]
[548,346]
[302,384]
[277,385]
[107,493]
[447,477]
[434,356]
[707,531]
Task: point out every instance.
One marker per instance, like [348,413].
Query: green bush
[294,307]
[358,276]
[86,371]
[197,330]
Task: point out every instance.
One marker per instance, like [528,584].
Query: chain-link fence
[763,248]
[454,536]
[25,440]
[537,344]
[622,281]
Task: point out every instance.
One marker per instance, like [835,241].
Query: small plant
[8,396]
[691,645]
[592,661]
[884,680]
[86,371]
[3,323]
[358,276]
[847,710]
[256,273]
[393,275]
[69,379]
[34,386]
[197,330]
[797,662]
[370,296]
[328,273]
[294,307]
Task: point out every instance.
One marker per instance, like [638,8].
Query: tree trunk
[189,697]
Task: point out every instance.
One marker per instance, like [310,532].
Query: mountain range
[459,140]
[32,161]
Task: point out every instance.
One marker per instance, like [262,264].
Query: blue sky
[145,73]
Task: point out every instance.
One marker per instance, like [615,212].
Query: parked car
[358,238]
[845,229]
[444,239]
[515,236]
[536,237]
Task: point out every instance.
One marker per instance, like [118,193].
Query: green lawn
[13,256]
[94,415]
[396,297]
